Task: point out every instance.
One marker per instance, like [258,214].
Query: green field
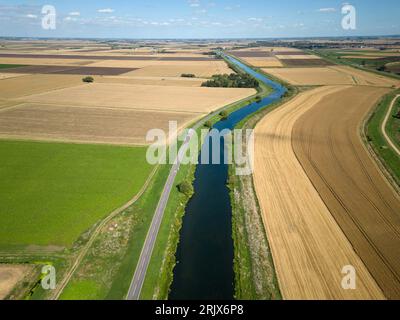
[9,66]
[50,193]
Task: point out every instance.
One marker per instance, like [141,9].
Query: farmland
[73,153]
[10,276]
[356,193]
[67,189]
[376,60]
[310,151]
[314,244]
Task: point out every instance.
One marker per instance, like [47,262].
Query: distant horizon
[204,39]
[198,19]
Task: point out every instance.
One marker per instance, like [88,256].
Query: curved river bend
[205,254]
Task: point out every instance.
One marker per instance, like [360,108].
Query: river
[205,253]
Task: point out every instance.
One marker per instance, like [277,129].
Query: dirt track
[308,247]
[327,143]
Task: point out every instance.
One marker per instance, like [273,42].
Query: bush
[224,114]
[186,188]
[88,79]
[188,75]
[208,124]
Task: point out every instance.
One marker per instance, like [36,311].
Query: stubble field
[308,247]
[364,204]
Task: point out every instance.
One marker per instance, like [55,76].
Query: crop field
[168,98]
[10,276]
[86,124]
[330,76]
[364,205]
[311,152]
[200,70]
[153,81]
[10,75]
[263,62]
[26,85]
[305,240]
[305,62]
[297,56]
[45,61]
[376,60]
[37,69]
[63,189]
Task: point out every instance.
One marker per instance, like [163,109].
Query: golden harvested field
[85,124]
[263,62]
[164,98]
[10,75]
[311,76]
[297,57]
[367,78]
[327,143]
[40,62]
[308,247]
[31,84]
[153,81]
[203,69]
[330,76]
[10,276]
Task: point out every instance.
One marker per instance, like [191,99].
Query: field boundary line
[96,232]
[384,124]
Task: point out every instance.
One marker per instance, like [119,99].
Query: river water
[205,254]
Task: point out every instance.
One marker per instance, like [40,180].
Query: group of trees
[233,80]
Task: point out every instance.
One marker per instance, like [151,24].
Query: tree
[88,79]
[186,188]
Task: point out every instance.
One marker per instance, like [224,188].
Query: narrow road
[384,125]
[145,256]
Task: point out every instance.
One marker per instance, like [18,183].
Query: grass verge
[387,156]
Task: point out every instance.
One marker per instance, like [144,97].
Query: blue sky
[198,18]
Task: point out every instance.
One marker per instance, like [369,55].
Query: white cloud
[106,10]
[31,16]
[327,10]
[75,14]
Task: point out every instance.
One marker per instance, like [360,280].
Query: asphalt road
[145,256]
